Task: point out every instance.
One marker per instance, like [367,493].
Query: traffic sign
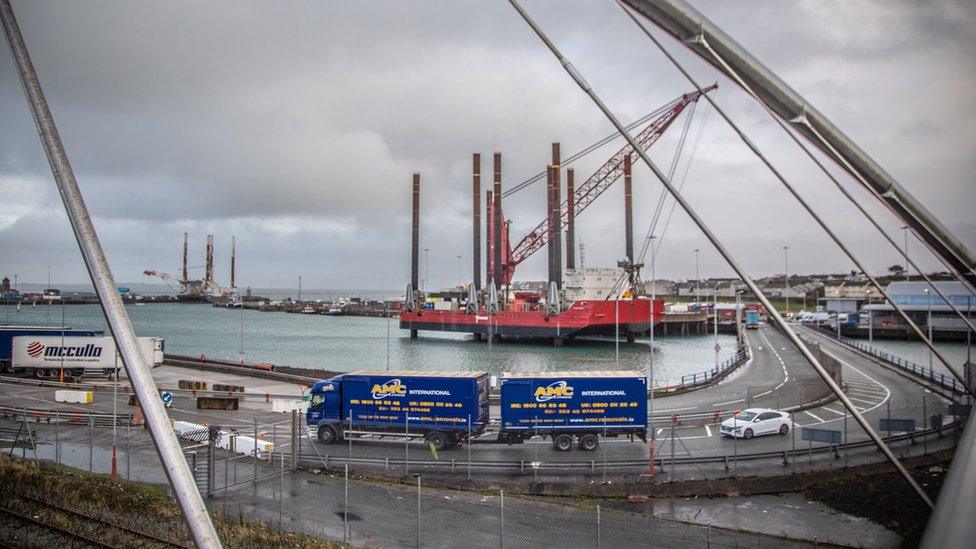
[821,435]
[900,425]
[167,398]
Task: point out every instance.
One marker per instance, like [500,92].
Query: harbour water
[355,343]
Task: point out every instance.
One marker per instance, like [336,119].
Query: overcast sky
[296,126]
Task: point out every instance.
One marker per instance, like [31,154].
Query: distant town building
[592,283]
[917,300]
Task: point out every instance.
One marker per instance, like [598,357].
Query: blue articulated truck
[447,409]
[573,407]
[441,408]
[8,333]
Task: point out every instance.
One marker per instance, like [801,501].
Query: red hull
[581,318]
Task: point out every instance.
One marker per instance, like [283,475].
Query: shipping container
[8,333]
[47,355]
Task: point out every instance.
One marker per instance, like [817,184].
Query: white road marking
[730,402]
[766,393]
[832,410]
[861,400]
[786,374]
[708,431]
[814,416]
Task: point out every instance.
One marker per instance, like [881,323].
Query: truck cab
[326,404]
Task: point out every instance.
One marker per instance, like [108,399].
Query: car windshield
[745,416]
[317,400]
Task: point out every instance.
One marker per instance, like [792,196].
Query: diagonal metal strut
[777,318]
[174,463]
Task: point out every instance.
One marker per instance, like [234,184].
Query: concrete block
[283,405]
[74,397]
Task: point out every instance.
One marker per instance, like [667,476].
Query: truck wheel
[438,439]
[563,443]
[589,442]
[39,373]
[327,434]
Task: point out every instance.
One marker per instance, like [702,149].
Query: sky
[297,128]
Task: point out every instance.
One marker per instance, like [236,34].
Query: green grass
[137,505]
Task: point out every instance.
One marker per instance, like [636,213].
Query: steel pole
[700,38]
[174,463]
[679,198]
[683,22]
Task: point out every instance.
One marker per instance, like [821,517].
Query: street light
[459,271]
[426,268]
[697,281]
[715,322]
[650,367]
[870,321]
[786,277]
[928,323]
[905,230]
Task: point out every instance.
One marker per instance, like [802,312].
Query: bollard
[522,467]
[786,460]
[726,463]
[836,452]
[452,465]
[592,467]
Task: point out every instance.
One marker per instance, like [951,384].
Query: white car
[757,421]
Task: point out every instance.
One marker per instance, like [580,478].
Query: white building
[580,284]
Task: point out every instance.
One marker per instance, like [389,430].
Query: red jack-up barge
[489,311]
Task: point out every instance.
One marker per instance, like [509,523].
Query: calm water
[354,343]
[918,352]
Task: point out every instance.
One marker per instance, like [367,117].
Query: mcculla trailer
[446,408]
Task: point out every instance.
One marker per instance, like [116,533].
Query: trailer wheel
[563,443]
[438,439]
[39,373]
[327,434]
[589,442]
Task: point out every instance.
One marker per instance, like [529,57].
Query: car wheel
[327,434]
[589,442]
[783,429]
[563,443]
[437,439]
[747,433]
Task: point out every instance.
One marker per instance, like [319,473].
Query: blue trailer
[752,320]
[441,408]
[573,407]
[8,333]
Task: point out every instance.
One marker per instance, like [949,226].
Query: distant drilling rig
[199,290]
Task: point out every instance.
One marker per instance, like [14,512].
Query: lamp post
[697,281]
[715,322]
[905,230]
[870,321]
[459,273]
[738,325]
[928,323]
[786,277]
[426,268]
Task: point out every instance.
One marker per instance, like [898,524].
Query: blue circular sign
[166,397]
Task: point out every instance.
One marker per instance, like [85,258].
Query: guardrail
[713,375]
[785,455]
[80,417]
[944,381]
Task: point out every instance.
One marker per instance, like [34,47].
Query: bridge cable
[580,154]
[720,247]
[792,190]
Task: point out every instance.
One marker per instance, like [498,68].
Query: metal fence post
[128,452]
[91,444]
[501,520]
[406,443]
[211,466]
[345,509]
[597,527]
[296,443]
[57,438]
[255,450]
[418,511]
[469,445]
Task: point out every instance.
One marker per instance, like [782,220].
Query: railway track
[90,531]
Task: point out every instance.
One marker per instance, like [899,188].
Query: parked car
[757,421]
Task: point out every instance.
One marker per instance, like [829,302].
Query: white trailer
[46,356]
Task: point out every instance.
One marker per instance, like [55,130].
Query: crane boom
[599,182]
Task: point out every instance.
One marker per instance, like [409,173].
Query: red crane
[589,190]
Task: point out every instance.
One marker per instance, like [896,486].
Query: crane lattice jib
[603,178]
